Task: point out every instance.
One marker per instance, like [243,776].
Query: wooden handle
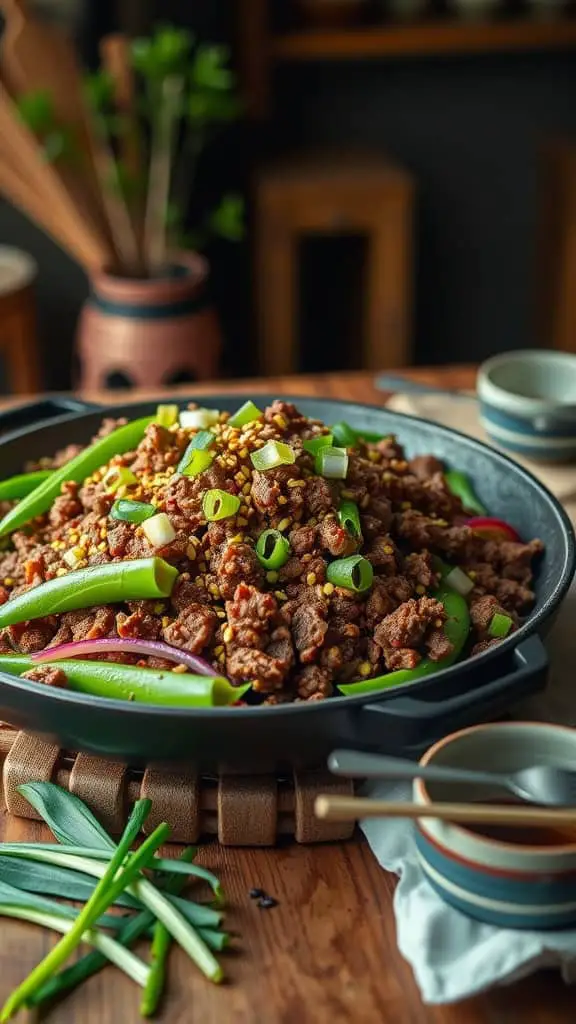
[342,808]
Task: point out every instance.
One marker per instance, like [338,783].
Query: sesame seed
[243,453]
[214,590]
[282,500]
[364,668]
[307,558]
[180,669]
[420,589]
[388,550]
[191,552]
[237,539]
[246,489]
[8,581]
[472,574]
[438,623]
[220,613]
[102,546]
[165,621]
[284,524]
[228,634]
[281,595]
[272,576]
[241,521]
[311,579]
[347,494]
[328,589]
[405,504]
[103,534]
[218,650]
[202,566]
[296,483]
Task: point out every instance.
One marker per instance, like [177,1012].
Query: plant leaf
[50,880]
[227,219]
[67,817]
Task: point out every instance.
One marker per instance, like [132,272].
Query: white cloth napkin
[452,956]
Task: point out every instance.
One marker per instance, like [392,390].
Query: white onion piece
[199,418]
[459,581]
[158,530]
[127,645]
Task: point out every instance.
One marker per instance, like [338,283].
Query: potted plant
[150,110]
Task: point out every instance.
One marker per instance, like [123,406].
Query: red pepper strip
[492,529]
[456,628]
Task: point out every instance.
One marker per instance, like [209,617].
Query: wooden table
[328,952]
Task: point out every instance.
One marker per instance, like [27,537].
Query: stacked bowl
[510,877]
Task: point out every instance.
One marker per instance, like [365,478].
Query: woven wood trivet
[250,810]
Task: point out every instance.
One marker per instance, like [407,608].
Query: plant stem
[93,962]
[105,892]
[117,212]
[161,942]
[163,137]
[109,948]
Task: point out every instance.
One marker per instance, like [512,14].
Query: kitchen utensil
[539,784]
[401,721]
[353,808]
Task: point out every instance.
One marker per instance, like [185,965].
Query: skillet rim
[229,713]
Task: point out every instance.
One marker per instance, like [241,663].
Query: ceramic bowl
[514,879]
[528,403]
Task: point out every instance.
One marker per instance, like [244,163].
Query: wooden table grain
[327,952]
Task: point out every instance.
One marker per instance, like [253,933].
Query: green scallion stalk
[111,884]
[315,444]
[124,439]
[111,583]
[247,413]
[500,626]
[273,453]
[91,963]
[272,549]
[167,415]
[332,463]
[118,476]
[349,516]
[201,441]
[16,487]
[195,461]
[154,987]
[132,511]
[344,435]
[217,504]
[352,573]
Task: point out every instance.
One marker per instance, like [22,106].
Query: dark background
[470,130]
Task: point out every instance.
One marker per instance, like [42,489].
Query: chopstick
[348,808]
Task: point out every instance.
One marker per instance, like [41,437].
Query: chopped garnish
[199,419]
[274,453]
[167,415]
[218,504]
[273,549]
[247,413]
[353,573]
[132,511]
[332,463]
[158,530]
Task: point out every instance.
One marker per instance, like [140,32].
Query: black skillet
[250,739]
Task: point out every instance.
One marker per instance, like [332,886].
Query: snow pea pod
[456,628]
[16,487]
[460,485]
[133,580]
[139,685]
[77,469]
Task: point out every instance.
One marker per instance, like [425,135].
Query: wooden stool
[18,339]
[334,195]
[556,255]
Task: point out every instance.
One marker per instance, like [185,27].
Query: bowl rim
[430,753]
[511,402]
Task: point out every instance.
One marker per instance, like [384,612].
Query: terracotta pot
[331,12]
[149,332]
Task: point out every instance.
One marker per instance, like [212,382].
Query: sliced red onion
[108,645]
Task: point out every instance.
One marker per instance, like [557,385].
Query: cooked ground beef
[49,675]
[288,630]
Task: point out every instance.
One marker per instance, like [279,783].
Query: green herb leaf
[49,880]
[67,817]
[227,220]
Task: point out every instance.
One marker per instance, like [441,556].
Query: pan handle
[432,717]
[42,410]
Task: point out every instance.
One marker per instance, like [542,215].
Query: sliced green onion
[167,415]
[274,453]
[131,511]
[201,441]
[353,573]
[349,516]
[195,461]
[272,549]
[314,444]
[459,581]
[344,435]
[158,530]
[500,626]
[247,413]
[118,476]
[332,463]
[199,418]
[218,504]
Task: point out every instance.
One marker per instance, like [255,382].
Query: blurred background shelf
[425,37]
